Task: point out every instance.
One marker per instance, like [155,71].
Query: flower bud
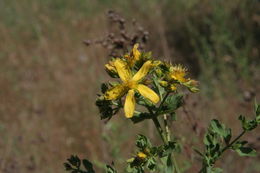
[173,87]
[163,83]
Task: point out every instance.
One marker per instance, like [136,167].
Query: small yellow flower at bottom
[141,155]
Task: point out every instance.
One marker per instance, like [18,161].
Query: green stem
[159,129]
[175,164]
[164,136]
[167,131]
[234,141]
[168,137]
[161,104]
[225,148]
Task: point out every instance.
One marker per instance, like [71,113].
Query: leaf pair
[74,165]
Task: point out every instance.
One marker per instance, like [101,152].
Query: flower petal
[129,106]
[141,155]
[148,93]
[115,92]
[143,71]
[178,73]
[136,52]
[111,69]
[122,69]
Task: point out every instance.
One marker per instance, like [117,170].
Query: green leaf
[105,108]
[75,161]
[246,151]
[143,101]
[169,168]
[110,169]
[227,136]
[142,142]
[168,149]
[171,104]
[210,139]
[159,89]
[104,87]
[88,166]
[257,113]
[238,144]
[221,130]
[247,125]
[129,168]
[257,109]
[258,119]
[151,165]
[173,116]
[216,170]
[217,127]
[67,166]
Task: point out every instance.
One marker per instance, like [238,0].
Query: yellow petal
[143,71]
[129,106]
[141,155]
[136,52]
[110,68]
[148,93]
[122,69]
[115,92]
[178,73]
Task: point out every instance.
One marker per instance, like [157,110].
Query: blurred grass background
[49,79]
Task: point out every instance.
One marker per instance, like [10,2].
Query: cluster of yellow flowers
[133,70]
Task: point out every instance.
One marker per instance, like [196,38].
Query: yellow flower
[178,73]
[141,155]
[130,84]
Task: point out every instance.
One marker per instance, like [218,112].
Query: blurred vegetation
[49,79]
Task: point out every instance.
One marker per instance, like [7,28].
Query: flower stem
[167,131]
[161,104]
[168,138]
[159,129]
[165,136]
[175,164]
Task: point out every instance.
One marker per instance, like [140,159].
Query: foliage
[156,86]
[218,139]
